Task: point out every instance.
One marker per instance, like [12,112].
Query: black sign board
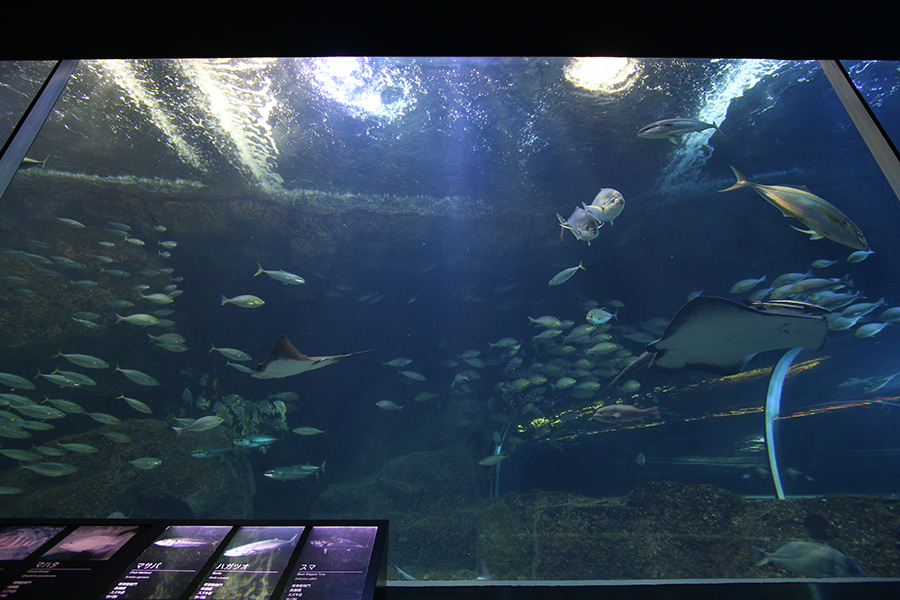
[128,559]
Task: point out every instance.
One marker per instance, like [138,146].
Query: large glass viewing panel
[540,299]
[876,81]
[19,82]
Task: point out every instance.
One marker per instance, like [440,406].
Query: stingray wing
[720,335]
[284,361]
[334,358]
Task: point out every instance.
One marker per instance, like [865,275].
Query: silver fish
[40,411]
[398,362]
[141,319]
[565,275]
[414,375]
[745,285]
[84,360]
[15,381]
[287,473]
[232,353]
[859,256]
[136,404]
[201,424]
[51,469]
[146,463]
[598,316]
[70,223]
[105,418]
[810,559]
[387,405]
[672,129]
[607,205]
[255,440]
[244,301]
[136,376]
[870,329]
[158,298]
[79,448]
[822,219]
[78,378]
[23,455]
[280,276]
[582,225]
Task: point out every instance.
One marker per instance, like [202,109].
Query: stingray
[721,336]
[284,361]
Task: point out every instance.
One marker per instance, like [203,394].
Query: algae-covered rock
[105,481]
[425,496]
[665,530]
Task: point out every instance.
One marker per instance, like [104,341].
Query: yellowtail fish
[158,298]
[15,381]
[398,362]
[136,404]
[84,360]
[565,275]
[40,411]
[201,424]
[51,469]
[146,463]
[23,455]
[244,301]
[70,223]
[104,418]
[79,448]
[231,353]
[822,219]
[136,376]
[388,405]
[140,319]
[859,256]
[415,376]
[30,163]
[307,431]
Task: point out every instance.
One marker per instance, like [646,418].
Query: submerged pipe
[773,406]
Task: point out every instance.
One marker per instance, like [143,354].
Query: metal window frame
[34,117]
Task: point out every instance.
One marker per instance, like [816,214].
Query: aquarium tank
[556,319]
